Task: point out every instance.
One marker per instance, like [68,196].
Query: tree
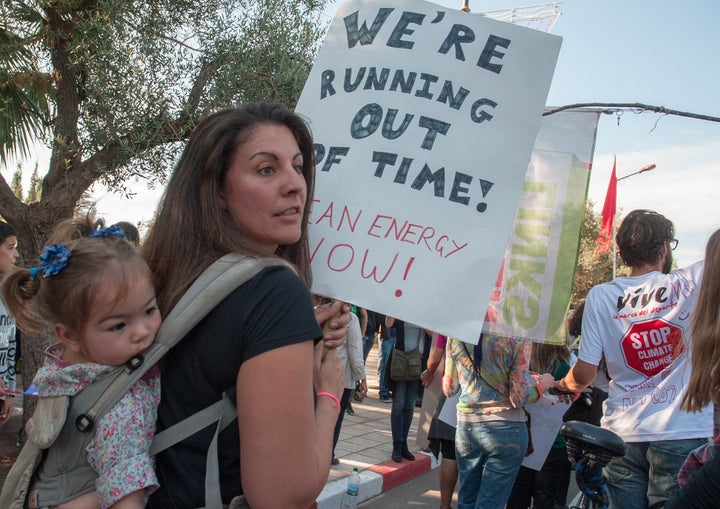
[33,194]
[113,86]
[17,182]
[592,269]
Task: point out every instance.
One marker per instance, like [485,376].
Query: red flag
[608,216]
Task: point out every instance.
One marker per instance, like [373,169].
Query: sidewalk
[366,443]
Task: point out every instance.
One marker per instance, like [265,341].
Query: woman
[491,437]
[700,473]
[244,184]
[441,435]
[407,338]
[351,354]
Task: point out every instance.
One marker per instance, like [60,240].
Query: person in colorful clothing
[95,291]
[8,337]
[640,325]
[699,474]
[491,437]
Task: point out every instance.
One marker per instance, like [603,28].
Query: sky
[615,51]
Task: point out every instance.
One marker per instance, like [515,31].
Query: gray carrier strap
[211,287]
[223,412]
[191,425]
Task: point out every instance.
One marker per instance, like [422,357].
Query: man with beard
[640,324]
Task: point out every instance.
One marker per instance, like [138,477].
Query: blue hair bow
[54,259]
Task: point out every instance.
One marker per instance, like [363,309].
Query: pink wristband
[332,397]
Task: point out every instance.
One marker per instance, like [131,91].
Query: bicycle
[590,448]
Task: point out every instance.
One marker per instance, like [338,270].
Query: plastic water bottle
[354,483]
[350,500]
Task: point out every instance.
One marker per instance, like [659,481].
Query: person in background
[351,354]
[491,440]
[539,488]
[95,292]
[130,230]
[638,323]
[574,328]
[361,315]
[386,342]
[408,337]
[582,409]
[699,474]
[602,379]
[8,333]
[369,333]
[441,435]
[244,184]
[428,339]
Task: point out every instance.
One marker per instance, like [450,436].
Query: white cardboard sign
[424,119]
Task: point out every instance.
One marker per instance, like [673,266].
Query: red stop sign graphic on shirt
[651,346]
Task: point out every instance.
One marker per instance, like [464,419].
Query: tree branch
[12,206]
[105,159]
[207,71]
[614,107]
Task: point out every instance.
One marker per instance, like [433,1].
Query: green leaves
[115,80]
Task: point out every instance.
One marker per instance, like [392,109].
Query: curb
[376,479]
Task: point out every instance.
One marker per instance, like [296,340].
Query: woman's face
[264,190]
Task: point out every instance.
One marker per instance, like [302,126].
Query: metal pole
[614,247]
[641,170]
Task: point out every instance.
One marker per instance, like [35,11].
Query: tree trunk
[33,346]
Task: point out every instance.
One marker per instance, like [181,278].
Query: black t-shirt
[272,310]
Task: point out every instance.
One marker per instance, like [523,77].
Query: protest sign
[424,119]
[534,285]
[546,419]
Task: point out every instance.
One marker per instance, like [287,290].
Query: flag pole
[614,247]
[612,238]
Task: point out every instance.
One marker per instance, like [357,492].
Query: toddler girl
[96,294]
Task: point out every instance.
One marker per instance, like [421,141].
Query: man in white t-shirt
[640,324]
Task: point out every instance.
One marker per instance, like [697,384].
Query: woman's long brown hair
[704,385]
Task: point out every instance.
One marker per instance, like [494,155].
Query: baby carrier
[62,427]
